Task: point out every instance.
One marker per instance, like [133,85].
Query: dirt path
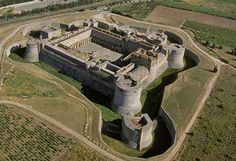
[70,131]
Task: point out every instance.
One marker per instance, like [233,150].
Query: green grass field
[213,137]
[221,8]
[217,35]
[26,138]
[138,10]
[79,152]
[68,107]
[21,84]
[99,100]
[50,70]
[216,41]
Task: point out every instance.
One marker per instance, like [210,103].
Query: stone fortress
[114,60]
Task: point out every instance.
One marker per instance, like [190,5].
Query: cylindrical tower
[137,131]
[176,56]
[127,97]
[32,51]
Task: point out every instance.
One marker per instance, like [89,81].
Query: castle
[117,61]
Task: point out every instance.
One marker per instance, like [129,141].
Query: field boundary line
[65,128]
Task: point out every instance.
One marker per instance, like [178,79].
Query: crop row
[24,138]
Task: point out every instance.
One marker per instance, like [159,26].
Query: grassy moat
[151,99]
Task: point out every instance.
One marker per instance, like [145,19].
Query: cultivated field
[216,35]
[49,96]
[24,137]
[222,8]
[79,152]
[213,137]
[176,17]
[138,10]
[217,41]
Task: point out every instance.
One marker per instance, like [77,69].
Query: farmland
[218,41]
[217,35]
[221,8]
[61,107]
[176,17]
[79,152]
[213,137]
[26,138]
[138,10]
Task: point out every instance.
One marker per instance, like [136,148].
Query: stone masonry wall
[79,73]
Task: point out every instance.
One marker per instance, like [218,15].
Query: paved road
[191,43]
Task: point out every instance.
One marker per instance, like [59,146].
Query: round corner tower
[32,51]
[126,100]
[176,56]
[137,131]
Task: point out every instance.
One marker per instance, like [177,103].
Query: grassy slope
[214,133]
[50,105]
[60,107]
[181,97]
[32,90]
[107,114]
[23,85]
[80,152]
[222,8]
